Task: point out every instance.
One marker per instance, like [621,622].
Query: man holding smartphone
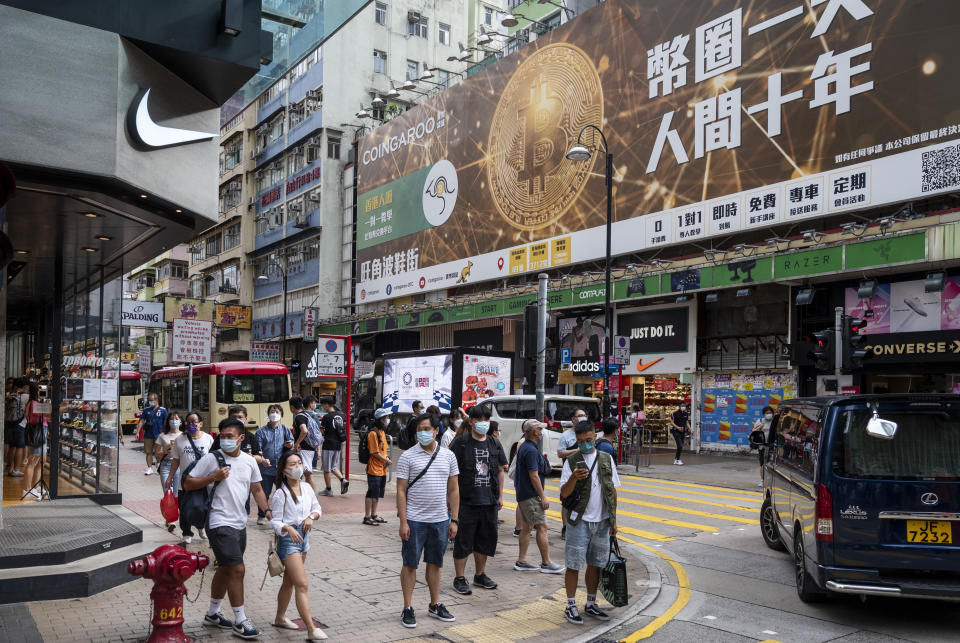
[590,478]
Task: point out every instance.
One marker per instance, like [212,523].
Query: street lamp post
[580,153]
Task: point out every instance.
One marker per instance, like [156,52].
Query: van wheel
[807,588]
[768,527]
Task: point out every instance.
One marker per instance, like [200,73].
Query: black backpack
[363,449]
[195,503]
[336,420]
[408,434]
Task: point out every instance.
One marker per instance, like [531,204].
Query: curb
[654,584]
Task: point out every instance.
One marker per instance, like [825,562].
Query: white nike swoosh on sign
[149,133]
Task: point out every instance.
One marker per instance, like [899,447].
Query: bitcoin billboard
[723,117]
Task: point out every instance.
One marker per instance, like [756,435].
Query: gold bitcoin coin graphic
[549,98]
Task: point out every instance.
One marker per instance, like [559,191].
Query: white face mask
[457,422]
[294,473]
[274,417]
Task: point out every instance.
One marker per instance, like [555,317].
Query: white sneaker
[188,539]
[678,463]
[261,521]
[148,471]
[16,473]
[203,535]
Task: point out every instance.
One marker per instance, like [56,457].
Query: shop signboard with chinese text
[310,316]
[144,358]
[192,341]
[810,110]
[233,316]
[264,352]
[180,308]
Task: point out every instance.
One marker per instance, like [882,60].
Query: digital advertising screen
[427,378]
[484,376]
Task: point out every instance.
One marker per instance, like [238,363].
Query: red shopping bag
[169,508]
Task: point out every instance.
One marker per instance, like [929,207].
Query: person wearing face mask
[377,467]
[230,486]
[566,447]
[481,462]
[428,506]
[163,452]
[680,426]
[591,474]
[456,422]
[273,438]
[152,421]
[758,436]
[294,510]
[192,444]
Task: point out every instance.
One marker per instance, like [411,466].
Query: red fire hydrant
[169,566]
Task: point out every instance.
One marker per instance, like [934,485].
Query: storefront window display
[658,397]
[732,401]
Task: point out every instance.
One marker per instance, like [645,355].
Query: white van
[509,411]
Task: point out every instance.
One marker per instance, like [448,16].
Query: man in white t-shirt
[192,444]
[592,476]
[422,505]
[227,524]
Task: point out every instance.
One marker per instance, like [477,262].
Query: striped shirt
[427,499]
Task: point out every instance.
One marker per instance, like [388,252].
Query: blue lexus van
[864,493]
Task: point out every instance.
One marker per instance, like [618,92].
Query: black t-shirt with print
[479,463]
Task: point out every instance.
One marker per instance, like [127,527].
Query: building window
[444,34]
[488,16]
[379,61]
[213,245]
[196,253]
[195,290]
[443,78]
[296,161]
[173,270]
[333,147]
[231,236]
[380,13]
[211,285]
[413,70]
[420,28]
[229,282]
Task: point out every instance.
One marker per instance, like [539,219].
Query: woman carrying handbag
[294,508]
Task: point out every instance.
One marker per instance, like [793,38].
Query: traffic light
[530,332]
[854,349]
[823,350]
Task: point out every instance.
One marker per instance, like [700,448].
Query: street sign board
[566,355]
[144,358]
[310,316]
[192,341]
[329,359]
[621,350]
[264,352]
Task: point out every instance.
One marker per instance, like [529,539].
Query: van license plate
[929,531]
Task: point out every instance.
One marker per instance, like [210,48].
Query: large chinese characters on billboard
[723,117]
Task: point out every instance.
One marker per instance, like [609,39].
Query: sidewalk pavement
[735,470]
[353,571]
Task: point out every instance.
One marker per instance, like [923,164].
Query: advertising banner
[427,378]
[733,401]
[180,308]
[233,316]
[484,376]
[662,339]
[905,307]
[582,337]
[147,314]
[264,352]
[722,117]
[192,341]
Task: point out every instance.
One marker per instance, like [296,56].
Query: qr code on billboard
[941,169]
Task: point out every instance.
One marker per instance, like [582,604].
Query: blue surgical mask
[228,445]
[150,404]
[586,447]
[768,416]
[482,427]
[424,437]
[174,424]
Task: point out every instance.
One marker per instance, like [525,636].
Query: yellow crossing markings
[694,485]
[648,535]
[640,485]
[693,500]
[682,510]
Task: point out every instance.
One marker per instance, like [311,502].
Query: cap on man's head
[236,422]
[381,413]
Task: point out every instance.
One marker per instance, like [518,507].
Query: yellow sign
[180,308]
[128,357]
[518,260]
[538,255]
[560,253]
[233,316]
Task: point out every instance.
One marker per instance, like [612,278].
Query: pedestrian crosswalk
[671,509]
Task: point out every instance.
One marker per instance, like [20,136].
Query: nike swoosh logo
[642,367]
[146,131]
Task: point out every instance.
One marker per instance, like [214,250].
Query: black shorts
[477,532]
[228,545]
[376,486]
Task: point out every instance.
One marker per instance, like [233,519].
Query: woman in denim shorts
[294,508]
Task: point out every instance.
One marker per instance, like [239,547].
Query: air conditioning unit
[539,29]
[313,141]
[382,55]
[314,197]
[297,151]
[262,129]
[300,222]
[295,207]
[413,16]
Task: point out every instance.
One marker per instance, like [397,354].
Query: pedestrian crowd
[449,492]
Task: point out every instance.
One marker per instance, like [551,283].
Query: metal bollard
[169,566]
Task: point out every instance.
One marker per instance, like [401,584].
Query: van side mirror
[877,427]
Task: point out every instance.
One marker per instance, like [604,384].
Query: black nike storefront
[88,191]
